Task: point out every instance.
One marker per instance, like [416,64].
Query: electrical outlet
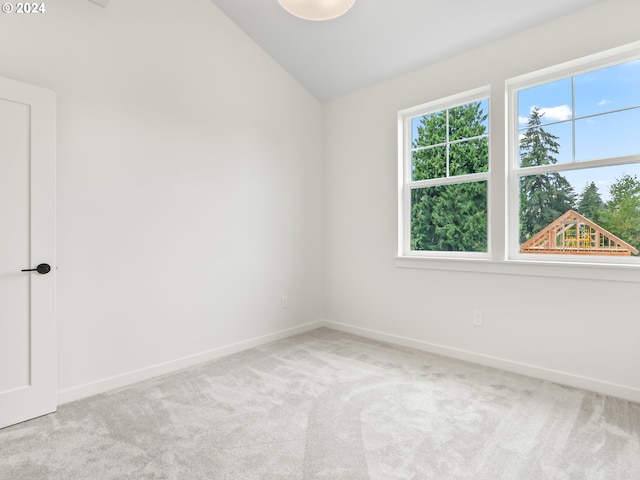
[285,301]
[478,320]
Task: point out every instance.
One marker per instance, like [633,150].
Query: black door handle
[42,269]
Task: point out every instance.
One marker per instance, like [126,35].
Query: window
[562,199]
[576,166]
[445,172]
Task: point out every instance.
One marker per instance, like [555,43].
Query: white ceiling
[379,39]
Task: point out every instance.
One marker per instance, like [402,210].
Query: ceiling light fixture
[317,9]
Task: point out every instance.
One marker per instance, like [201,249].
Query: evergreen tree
[450,217]
[543,197]
[591,204]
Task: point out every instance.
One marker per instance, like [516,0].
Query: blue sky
[606,122]
[602,127]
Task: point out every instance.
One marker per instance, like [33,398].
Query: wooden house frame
[574,234]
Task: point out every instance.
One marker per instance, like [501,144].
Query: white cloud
[559,113]
[603,102]
[553,114]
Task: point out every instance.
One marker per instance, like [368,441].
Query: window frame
[407,184]
[567,70]
[499,260]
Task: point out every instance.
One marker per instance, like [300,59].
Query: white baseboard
[118,381]
[563,378]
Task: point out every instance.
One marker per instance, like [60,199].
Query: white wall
[581,332]
[189,184]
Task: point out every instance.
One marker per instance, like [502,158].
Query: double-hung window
[445,176]
[575,153]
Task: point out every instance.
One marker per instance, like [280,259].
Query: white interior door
[28,365]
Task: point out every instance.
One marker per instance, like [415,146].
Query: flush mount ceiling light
[317,9]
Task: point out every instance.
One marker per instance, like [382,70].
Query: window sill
[584,271]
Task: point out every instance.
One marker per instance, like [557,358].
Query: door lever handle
[42,269]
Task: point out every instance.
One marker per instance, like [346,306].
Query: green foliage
[621,215]
[543,197]
[450,217]
[469,156]
[590,204]
[537,147]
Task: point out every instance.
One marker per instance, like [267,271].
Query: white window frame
[503,217]
[513,86]
[406,184]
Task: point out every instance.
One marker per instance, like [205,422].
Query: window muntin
[581,131]
[446,171]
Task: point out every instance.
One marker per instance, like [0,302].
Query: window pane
[545,144]
[429,163]
[471,156]
[593,211]
[429,129]
[609,135]
[553,101]
[470,120]
[608,89]
[449,218]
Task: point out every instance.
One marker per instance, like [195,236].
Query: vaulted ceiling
[379,39]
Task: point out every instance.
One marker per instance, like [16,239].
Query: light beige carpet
[327,405]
